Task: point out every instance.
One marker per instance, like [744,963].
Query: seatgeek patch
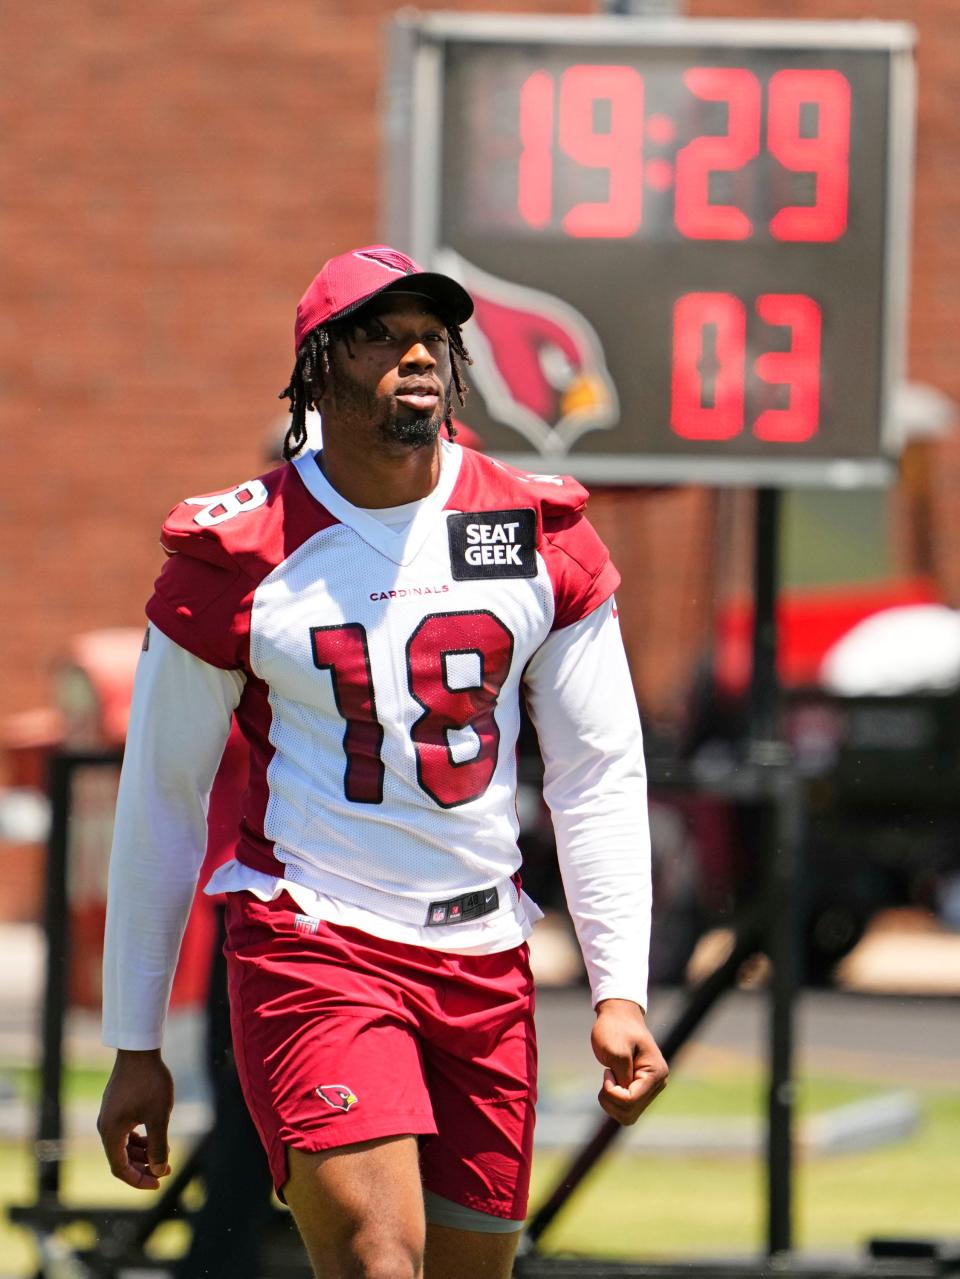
[485,544]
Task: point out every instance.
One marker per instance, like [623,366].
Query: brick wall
[170,178]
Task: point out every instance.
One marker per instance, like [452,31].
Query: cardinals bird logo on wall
[538,362]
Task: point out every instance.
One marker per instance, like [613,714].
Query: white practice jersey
[377,673]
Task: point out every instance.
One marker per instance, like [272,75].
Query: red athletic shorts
[342,1037]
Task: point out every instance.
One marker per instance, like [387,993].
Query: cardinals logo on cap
[339,1096]
[538,362]
[387,258]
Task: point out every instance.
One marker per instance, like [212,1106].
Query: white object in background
[24,815]
[910,649]
[277,432]
[922,412]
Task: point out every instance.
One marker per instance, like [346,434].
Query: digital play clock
[687,241]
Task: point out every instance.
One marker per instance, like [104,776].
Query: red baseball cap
[349,281]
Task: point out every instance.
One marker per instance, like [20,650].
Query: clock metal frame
[413,183]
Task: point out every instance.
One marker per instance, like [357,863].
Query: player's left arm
[582,702]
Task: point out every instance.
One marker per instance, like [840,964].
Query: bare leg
[360,1209]
[469,1254]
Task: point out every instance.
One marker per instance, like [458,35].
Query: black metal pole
[782,948]
[779,849]
[49,1146]
[764,689]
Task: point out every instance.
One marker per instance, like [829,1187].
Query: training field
[656,1203]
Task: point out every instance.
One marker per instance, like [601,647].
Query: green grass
[666,1206]
[647,1205]
[84,1179]
[729,1095]
[84,1174]
[81,1083]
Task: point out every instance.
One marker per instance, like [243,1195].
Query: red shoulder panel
[255,526]
[578,562]
[221,546]
[487,483]
[580,568]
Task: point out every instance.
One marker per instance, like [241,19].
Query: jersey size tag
[486,544]
[466,906]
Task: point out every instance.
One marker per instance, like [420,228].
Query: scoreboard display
[686,240]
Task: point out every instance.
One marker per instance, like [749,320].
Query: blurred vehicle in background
[879,741]
[871,712]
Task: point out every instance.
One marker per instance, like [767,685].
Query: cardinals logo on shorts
[339,1096]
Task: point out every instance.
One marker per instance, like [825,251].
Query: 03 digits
[710,368]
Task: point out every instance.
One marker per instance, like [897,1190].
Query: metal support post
[780,846]
[782,948]
[49,1145]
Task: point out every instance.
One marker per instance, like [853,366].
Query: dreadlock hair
[313,368]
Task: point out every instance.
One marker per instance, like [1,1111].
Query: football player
[372,614]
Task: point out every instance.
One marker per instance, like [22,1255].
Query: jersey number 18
[449,704]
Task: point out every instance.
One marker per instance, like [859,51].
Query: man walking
[372,614]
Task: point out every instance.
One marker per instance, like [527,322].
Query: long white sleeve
[179,724]
[582,703]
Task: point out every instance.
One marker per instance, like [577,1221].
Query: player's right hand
[139,1092]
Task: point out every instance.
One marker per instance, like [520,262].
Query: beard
[416,432]
[393,423]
